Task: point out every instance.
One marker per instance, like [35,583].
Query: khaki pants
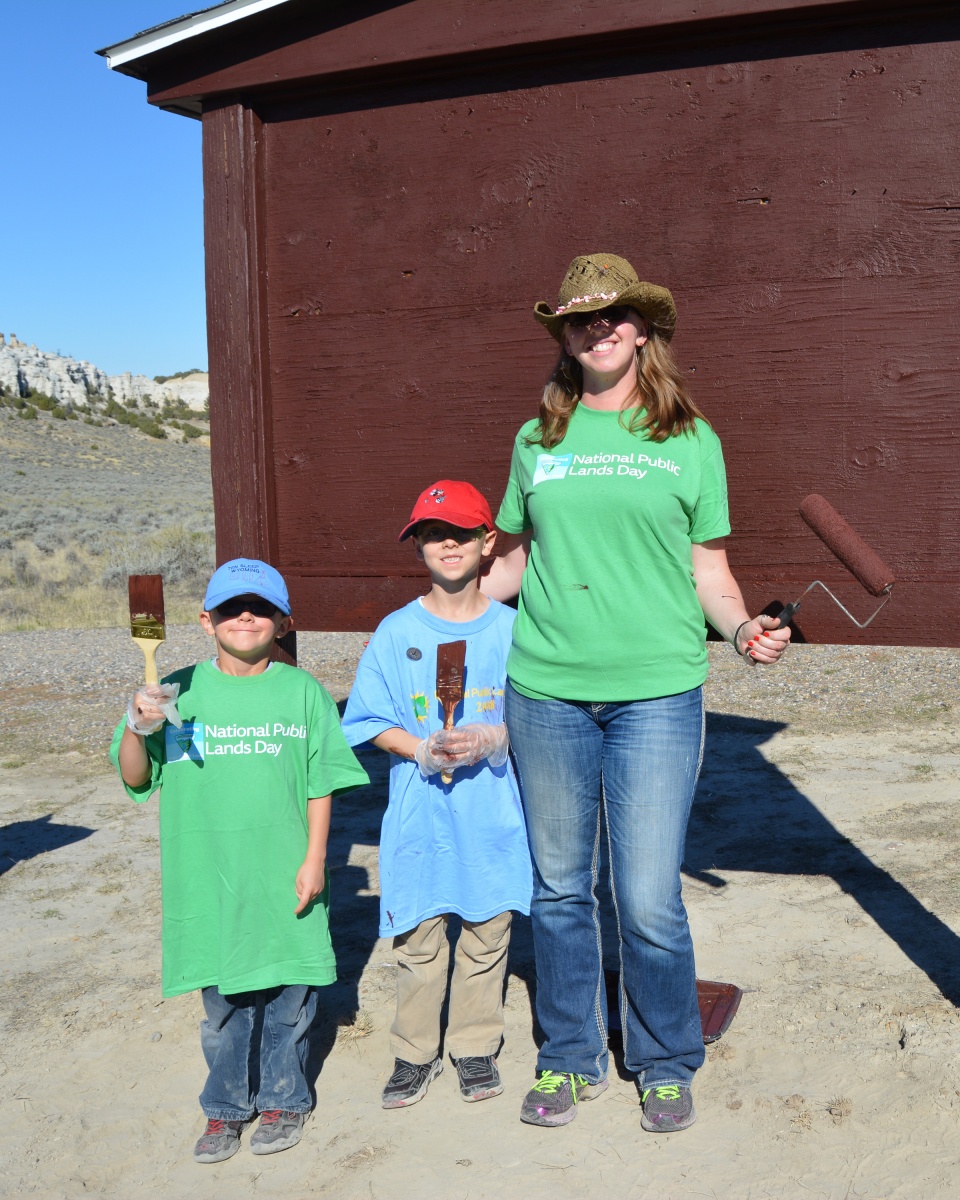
[476,991]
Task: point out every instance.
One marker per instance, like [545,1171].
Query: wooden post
[240,400]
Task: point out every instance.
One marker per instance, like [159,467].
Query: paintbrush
[148,631]
[450,664]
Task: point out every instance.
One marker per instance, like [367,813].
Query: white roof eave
[182,29]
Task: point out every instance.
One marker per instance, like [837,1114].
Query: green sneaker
[667,1108]
[553,1099]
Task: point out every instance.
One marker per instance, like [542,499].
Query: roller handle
[786,615]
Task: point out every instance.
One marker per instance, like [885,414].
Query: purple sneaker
[553,1099]
[667,1108]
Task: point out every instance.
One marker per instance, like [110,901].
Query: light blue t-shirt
[444,848]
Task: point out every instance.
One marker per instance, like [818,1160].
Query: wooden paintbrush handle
[447,776]
[149,648]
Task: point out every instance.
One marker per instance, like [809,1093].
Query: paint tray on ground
[718,1006]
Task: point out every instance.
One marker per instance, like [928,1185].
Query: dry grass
[354,1028]
[64,590]
[83,507]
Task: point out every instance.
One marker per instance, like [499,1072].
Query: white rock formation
[82,386]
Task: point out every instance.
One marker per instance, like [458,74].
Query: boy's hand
[309,883]
[467,745]
[144,714]
[432,758]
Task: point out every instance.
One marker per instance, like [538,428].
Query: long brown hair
[663,407]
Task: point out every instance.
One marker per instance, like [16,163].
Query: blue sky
[101,221]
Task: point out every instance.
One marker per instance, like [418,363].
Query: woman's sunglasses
[612,315]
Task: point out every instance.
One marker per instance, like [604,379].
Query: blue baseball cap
[247,577]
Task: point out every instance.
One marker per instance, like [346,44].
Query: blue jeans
[633,766]
[256,1045]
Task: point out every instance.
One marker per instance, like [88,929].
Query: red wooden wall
[375,248]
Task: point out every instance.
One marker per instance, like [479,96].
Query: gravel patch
[822,689]
[62,691]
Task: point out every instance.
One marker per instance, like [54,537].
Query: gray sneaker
[479,1077]
[220,1140]
[278,1130]
[553,1099]
[409,1082]
[667,1108]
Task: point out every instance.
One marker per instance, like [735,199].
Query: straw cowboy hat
[596,281]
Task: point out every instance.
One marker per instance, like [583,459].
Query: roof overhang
[258,48]
[123,56]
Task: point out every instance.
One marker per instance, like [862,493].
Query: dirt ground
[822,874]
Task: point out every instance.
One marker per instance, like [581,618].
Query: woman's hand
[762,640]
[501,580]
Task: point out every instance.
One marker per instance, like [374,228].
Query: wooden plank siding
[375,246]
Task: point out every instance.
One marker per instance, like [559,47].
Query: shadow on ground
[747,816]
[21,840]
[765,824]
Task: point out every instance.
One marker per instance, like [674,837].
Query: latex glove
[151,705]
[468,744]
[430,758]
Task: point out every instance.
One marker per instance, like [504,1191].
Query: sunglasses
[440,533]
[242,604]
[612,315]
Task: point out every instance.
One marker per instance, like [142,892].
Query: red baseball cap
[452,501]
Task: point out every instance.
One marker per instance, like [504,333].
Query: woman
[615,515]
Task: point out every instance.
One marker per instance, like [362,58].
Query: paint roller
[849,547]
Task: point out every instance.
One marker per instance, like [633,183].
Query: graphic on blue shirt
[187,742]
[551,466]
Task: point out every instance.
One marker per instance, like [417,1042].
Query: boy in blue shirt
[445,848]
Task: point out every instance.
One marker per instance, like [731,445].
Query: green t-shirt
[234,782]
[608,607]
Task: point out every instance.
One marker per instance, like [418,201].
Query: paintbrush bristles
[451,657]
[146,619]
[146,596]
[146,607]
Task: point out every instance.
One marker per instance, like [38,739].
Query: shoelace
[405,1073]
[215,1126]
[473,1068]
[272,1117]
[667,1091]
[552,1081]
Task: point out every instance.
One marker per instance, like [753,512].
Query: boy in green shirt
[247,783]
